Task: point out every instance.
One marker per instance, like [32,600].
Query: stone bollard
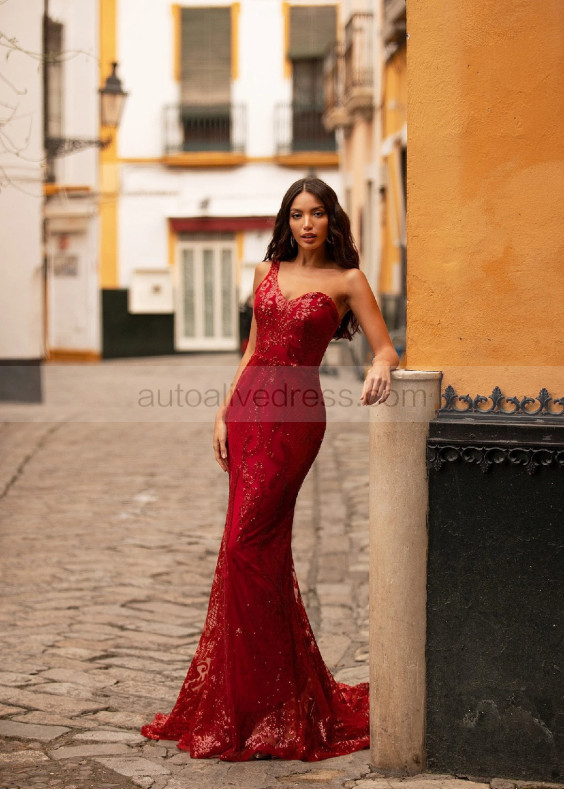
[398,570]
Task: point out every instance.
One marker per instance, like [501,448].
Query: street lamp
[112,100]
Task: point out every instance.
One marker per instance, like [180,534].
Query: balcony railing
[394,27]
[300,128]
[333,76]
[214,127]
[359,62]
[334,113]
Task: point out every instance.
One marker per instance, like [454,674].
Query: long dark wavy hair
[340,247]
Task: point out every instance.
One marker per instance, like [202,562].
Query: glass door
[206,297]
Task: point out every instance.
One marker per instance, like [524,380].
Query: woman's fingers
[220,455]
[385,394]
[220,445]
[223,451]
[376,389]
[366,396]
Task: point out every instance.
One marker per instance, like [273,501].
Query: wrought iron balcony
[359,63]
[394,28]
[300,128]
[333,74]
[334,113]
[211,127]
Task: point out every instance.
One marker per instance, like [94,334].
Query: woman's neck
[312,259]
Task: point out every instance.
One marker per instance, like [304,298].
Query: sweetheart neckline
[307,293]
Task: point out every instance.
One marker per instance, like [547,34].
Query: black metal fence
[495,586]
[214,127]
[300,128]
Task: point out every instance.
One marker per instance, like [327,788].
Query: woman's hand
[377,384]
[220,441]
[362,302]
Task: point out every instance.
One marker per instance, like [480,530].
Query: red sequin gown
[257,682]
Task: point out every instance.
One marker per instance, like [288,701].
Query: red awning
[219,224]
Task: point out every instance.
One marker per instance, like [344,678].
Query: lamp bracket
[61,146]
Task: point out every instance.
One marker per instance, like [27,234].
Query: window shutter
[54,78]
[307,81]
[312,30]
[206,56]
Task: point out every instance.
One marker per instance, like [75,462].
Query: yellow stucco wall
[358,154]
[485,193]
[394,116]
[109,167]
[395,93]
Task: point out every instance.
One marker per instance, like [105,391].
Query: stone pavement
[111,520]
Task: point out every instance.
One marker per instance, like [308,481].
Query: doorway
[205,310]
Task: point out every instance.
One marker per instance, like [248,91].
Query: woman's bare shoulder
[263,267]
[261,270]
[354,279]
[354,275]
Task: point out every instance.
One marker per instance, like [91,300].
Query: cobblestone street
[110,528]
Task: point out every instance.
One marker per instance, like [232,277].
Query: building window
[300,126]
[205,79]
[307,107]
[205,119]
[312,30]
[53,96]
[205,66]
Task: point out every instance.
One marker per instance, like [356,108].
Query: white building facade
[72,78]
[21,202]
[224,112]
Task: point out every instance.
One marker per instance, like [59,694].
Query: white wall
[146,55]
[254,248]
[145,51]
[349,7]
[80,87]
[73,302]
[149,192]
[261,84]
[21,188]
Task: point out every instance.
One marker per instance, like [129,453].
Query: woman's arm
[362,302]
[220,428]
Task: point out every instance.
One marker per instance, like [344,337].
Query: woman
[257,686]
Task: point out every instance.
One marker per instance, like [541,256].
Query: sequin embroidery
[257,681]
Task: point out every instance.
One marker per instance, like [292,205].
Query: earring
[329,239]
[293,242]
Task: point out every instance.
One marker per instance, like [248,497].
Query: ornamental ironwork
[485,457]
[61,146]
[498,404]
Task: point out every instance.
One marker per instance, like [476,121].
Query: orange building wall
[109,167]
[395,93]
[358,153]
[394,116]
[486,193]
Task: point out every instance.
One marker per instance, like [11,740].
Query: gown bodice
[281,382]
[292,331]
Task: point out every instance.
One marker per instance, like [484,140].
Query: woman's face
[309,222]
